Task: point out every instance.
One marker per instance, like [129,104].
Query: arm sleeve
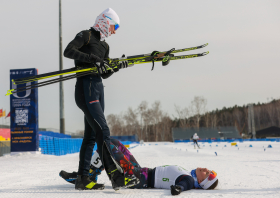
[72,50]
[110,73]
[107,52]
[186,182]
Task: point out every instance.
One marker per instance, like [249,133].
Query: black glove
[99,63]
[175,190]
[123,64]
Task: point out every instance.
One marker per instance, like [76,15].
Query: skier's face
[201,174]
[112,28]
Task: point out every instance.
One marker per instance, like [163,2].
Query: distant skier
[195,138]
[89,49]
[173,177]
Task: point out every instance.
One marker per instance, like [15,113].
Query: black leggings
[89,96]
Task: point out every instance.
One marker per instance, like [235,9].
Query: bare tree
[116,124]
[166,125]
[183,115]
[130,118]
[237,115]
[157,115]
[213,118]
[271,111]
[257,116]
[198,108]
[147,118]
[207,119]
[142,108]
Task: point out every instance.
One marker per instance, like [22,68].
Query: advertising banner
[24,113]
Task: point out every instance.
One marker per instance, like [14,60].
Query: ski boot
[119,180]
[94,172]
[83,182]
[69,177]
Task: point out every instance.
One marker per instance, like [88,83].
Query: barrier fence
[53,145]
[230,140]
[59,146]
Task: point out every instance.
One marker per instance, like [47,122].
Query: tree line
[151,123]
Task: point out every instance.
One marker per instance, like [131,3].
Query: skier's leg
[126,152]
[196,143]
[111,160]
[83,181]
[127,162]
[96,161]
[96,166]
[86,149]
[143,177]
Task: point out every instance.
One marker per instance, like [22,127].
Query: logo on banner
[27,92]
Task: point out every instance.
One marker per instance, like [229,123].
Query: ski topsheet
[83,72]
[147,55]
[146,60]
[114,63]
[136,59]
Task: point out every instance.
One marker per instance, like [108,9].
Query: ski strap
[155,55]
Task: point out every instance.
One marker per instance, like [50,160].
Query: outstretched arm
[186,182]
[182,183]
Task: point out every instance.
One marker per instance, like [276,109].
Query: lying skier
[175,177]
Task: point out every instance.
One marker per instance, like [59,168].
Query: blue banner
[24,113]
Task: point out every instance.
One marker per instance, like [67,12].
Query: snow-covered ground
[243,171]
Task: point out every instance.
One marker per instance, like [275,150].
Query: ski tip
[9,92]
[205,45]
[205,53]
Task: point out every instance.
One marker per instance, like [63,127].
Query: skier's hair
[214,185]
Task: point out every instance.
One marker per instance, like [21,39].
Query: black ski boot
[94,172]
[119,180]
[69,177]
[84,183]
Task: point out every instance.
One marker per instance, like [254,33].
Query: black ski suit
[89,94]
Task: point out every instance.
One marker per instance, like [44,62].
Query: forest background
[152,123]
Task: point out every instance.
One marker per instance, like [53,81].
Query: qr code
[21,116]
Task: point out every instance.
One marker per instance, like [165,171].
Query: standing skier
[195,138]
[89,49]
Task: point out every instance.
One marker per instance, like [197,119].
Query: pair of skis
[114,63]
